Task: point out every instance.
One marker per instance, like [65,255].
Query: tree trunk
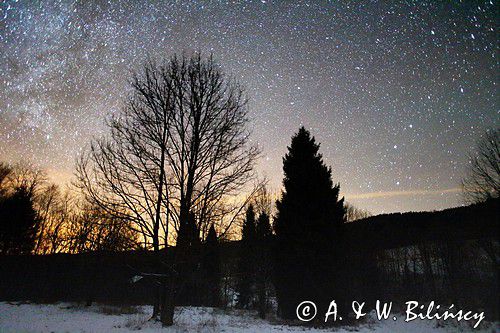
[156,304]
[157,288]
[167,309]
[156,237]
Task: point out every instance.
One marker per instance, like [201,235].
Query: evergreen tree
[308,221]
[263,268]
[248,231]
[263,228]
[18,223]
[247,260]
[211,265]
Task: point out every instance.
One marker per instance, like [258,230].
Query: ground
[65,317]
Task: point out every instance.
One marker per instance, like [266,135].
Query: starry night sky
[396,93]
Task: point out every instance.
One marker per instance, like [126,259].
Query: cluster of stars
[396,92]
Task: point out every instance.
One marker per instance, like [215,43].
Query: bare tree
[54,211]
[29,177]
[179,152]
[22,175]
[483,177]
[352,213]
[263,200]
[91,229]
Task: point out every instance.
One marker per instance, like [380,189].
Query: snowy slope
[66,317]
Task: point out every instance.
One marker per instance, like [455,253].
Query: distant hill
[386,231]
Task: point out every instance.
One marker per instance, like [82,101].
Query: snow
[66,317]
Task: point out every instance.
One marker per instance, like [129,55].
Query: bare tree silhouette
[483,178]
[353,213]
[178,152]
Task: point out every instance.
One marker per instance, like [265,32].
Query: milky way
[396,93]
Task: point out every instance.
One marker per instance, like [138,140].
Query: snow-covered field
[65,317]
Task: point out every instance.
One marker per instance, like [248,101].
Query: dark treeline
[173,184]
[38,217]
[459,270]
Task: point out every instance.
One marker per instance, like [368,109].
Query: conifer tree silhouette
[307,225]
[212,268]
[247,260]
